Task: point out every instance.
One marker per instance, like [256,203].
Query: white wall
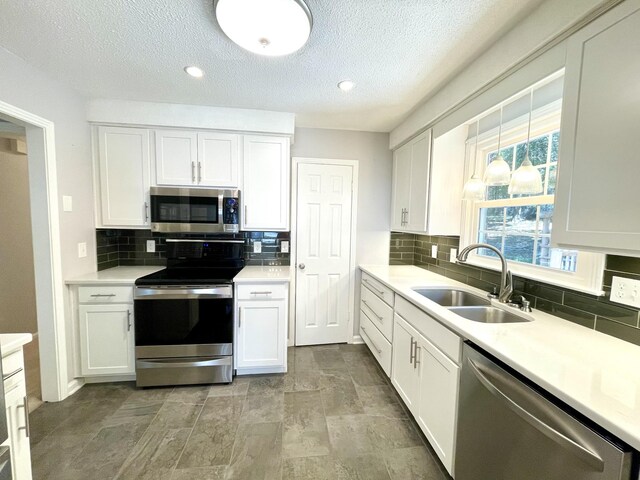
[25,87]
[374,186]
[551,18]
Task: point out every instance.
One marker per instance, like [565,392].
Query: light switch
[67,203]
[151,246]
[82,249]
[257,247]
[284,246]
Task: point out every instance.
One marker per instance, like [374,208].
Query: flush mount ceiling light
[194,71]
[346,85]
[265,27]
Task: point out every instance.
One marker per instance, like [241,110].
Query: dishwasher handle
[565,442]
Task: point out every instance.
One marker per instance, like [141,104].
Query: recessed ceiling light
[194,72]
[346,85]
[265,27]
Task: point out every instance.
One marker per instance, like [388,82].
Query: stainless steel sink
[450,297]
[488,315]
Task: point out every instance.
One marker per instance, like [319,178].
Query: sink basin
[488,315]
[449,297]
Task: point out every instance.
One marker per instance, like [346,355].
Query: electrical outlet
[453,255]
[434,251]
[284,246]
[257,247]
[67,203]
[82,249]
[625,291]
[151,246]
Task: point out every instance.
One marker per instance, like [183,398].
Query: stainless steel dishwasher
[509,431]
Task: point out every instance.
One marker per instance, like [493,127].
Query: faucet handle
[520,302]
[493,294]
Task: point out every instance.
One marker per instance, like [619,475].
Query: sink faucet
[506,281]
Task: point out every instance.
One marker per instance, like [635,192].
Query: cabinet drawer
[13,370]
[439,335]
[105,294]
[378,288]
[379,346]
[378,312]
[263,291]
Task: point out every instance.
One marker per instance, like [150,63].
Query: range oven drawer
[183,371]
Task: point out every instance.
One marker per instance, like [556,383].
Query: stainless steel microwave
[194,210]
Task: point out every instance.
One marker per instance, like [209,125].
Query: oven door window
[183,322]
[175,209]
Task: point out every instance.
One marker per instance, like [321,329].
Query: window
[520,225]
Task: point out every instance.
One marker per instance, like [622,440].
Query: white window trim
[590,266]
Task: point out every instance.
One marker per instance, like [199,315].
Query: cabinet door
[218,157]
[17,411]
[265,190]
[596,204]
[416,218]
[176,157]
[123,161]
[405,372]
[437,407]
[106,339]
[261,334]
[401,187]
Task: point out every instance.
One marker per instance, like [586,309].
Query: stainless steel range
[184,315]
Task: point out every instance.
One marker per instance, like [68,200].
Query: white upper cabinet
[427,185]
[176,157]
[596,203]
[218,158]
[265,183]
[123,166]
[206,159]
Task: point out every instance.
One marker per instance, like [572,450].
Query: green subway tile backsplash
[586,310]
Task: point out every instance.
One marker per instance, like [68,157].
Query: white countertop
[115,275]
[10,342]
[264,274]
[596,374]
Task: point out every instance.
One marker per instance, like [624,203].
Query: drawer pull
[372,342]
[103,295]
[381,292]
[27,427]
[373,311]
[9,375]
[260,293]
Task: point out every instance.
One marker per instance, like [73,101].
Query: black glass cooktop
[190,276]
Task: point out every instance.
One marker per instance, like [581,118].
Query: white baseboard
[74,385]
[357,339]
[260,370]
[110,378]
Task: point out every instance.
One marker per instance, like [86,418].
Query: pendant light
[526,179]
[498,171]
[475,188]
[265,27]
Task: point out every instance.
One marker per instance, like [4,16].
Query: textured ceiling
[397,52]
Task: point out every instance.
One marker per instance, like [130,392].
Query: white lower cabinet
[405,372]
[261,328]
[107,344]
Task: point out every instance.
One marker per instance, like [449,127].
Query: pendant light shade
[265,27]
[498,172]
[526,179]
[475,188]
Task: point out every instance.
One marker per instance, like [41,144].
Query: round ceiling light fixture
[346,85]
[195,72]
[265,27]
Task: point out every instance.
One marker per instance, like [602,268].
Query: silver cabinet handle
[302,266]
[97,295]
[373,311]
[372,287]
[199,172]
[260,293]
[411,350]
[128,320]
[12,374]
[193,172]
[404,212]
[372,342]
[146,212]
[580,451]
[239,317]
[245,215]
[27,427]
[416,360]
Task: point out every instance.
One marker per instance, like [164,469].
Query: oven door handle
[179,363]
[155,293]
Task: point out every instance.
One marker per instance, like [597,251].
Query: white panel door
[416,218]
[17,411]
[265,183]
[106,339]
[176,157]
[401,187]
[324,208]
[405,371]
[261,333]
[124,165]
[218,158]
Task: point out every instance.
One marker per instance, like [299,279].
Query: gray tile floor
[333,416]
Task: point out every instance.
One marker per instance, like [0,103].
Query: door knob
[301,266]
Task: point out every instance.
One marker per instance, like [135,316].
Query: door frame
[49,283]
[354,164]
